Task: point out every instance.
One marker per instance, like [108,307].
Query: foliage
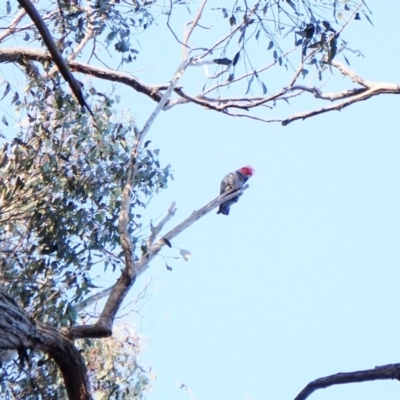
[60,201]
[113,366]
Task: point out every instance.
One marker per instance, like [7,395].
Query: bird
[231,182]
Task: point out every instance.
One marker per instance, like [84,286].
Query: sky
[301,280]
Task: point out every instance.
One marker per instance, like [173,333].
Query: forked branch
[103,326]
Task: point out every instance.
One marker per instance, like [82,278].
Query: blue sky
[302,279]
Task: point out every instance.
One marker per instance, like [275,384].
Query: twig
[349,73]
[13,24]
[191,29]
[156,230]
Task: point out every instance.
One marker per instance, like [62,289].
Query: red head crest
[247,170]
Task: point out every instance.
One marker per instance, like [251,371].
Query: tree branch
[17,54]
[55,53]
[368,89]
[391,371]
[156,230]
[374,90]
[19,332]
[191,29]
[103,326]
[143,263]
[14,23]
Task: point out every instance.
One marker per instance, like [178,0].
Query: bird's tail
[223,210]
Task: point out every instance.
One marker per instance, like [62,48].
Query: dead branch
[157,229]
[143,263]
[103,326]
[191,29]
[374,90]
[349,73]
[391,371]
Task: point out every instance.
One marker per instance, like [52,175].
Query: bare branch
[143,263]
[93,299]
[253,117]
[391,371]
[351,96]
[318,94]
[348,72]
[191,29]
[13,24]
[156,230]
[103,326]
[374,90]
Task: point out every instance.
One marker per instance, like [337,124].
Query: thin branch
[143,263]
[169,26]
[318,94]
[349,73]
[191,29]
[156,230]
[300,68]
[93,299]
[253,117]
[391,371]
[103,326]
[13,24]
[258,71]
[374,90]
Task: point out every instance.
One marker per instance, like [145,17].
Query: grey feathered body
[232,181]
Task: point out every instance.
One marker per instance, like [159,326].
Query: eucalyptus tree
[77,170]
